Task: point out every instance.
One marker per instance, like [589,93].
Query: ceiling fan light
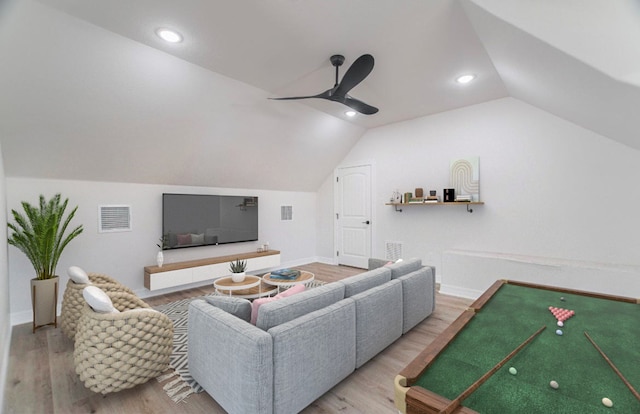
[350,114]
[169,35]
[465,78]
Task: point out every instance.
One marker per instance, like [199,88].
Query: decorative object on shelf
[40,235]
[465,177]
[419,193]
[162,245]
[237,269]
[432,197]
[449,195]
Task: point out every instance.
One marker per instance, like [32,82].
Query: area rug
[179,383]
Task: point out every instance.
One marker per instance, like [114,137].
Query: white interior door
[353,215]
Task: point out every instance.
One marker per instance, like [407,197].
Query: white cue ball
[607,402]
[513,371]
[560,324]
[554,385]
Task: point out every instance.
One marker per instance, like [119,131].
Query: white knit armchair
[73,302]
[115,351]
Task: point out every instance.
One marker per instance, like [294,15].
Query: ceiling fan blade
[359,70]
[326,94]
[360,106]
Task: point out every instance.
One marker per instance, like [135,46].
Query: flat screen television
[192,220]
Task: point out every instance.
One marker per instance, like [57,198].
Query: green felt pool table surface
[510,316]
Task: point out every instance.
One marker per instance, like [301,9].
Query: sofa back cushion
[257,303]
[286,309]
[404,267]
[365,281]
[238,307]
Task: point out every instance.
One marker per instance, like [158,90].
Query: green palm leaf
[40,233]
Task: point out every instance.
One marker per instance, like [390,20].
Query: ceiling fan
[359,70]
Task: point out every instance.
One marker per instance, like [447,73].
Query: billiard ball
[554,385]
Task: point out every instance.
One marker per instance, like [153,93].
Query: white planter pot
[44,300]
[237,277]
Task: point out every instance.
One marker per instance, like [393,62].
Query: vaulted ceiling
[90,92]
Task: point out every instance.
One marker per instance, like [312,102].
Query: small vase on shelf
[160,258]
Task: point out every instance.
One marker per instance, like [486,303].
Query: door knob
[366,222]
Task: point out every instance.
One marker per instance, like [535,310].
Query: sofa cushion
[404,267]
[255,305]
[418,296]
[283,310]
[238,307]
[378,319]
[311,354]
[365,281]
[232,360]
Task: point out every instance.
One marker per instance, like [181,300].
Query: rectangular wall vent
[114,218]
[393,250]
[286,213]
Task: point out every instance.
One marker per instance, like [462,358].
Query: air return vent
[393,250]
[286,212]
[114,218]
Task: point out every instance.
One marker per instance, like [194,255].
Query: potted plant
[40,235]
[237,269]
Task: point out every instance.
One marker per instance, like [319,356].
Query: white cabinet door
[210,272]
[171,278]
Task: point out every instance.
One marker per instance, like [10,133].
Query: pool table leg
[400,387]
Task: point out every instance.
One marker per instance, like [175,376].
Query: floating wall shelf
[399,206]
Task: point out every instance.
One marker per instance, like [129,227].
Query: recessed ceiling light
[169,35]
[465,78]
[350,113]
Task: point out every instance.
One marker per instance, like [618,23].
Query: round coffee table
[304,278]
[251,287]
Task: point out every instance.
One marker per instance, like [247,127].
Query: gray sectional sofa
[303,345]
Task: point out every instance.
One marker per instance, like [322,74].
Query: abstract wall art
[465,177]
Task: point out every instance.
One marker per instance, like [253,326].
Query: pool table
[506,315]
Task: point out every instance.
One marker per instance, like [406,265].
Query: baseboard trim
[459,292]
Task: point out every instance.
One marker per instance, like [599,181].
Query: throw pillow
[184,239]
[255,305]
[78,275]
[291,291]
[238,307]
[98,300]
[197,238]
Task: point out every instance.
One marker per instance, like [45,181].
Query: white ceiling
[90,92]
[283,47]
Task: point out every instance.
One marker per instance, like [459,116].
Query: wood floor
[41,376]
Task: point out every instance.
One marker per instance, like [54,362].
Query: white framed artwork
[464,176]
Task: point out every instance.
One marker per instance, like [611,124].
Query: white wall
[5,326]
[123,255]
[325,246]
[552,190]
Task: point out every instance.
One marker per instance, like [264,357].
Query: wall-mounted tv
[192,220]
